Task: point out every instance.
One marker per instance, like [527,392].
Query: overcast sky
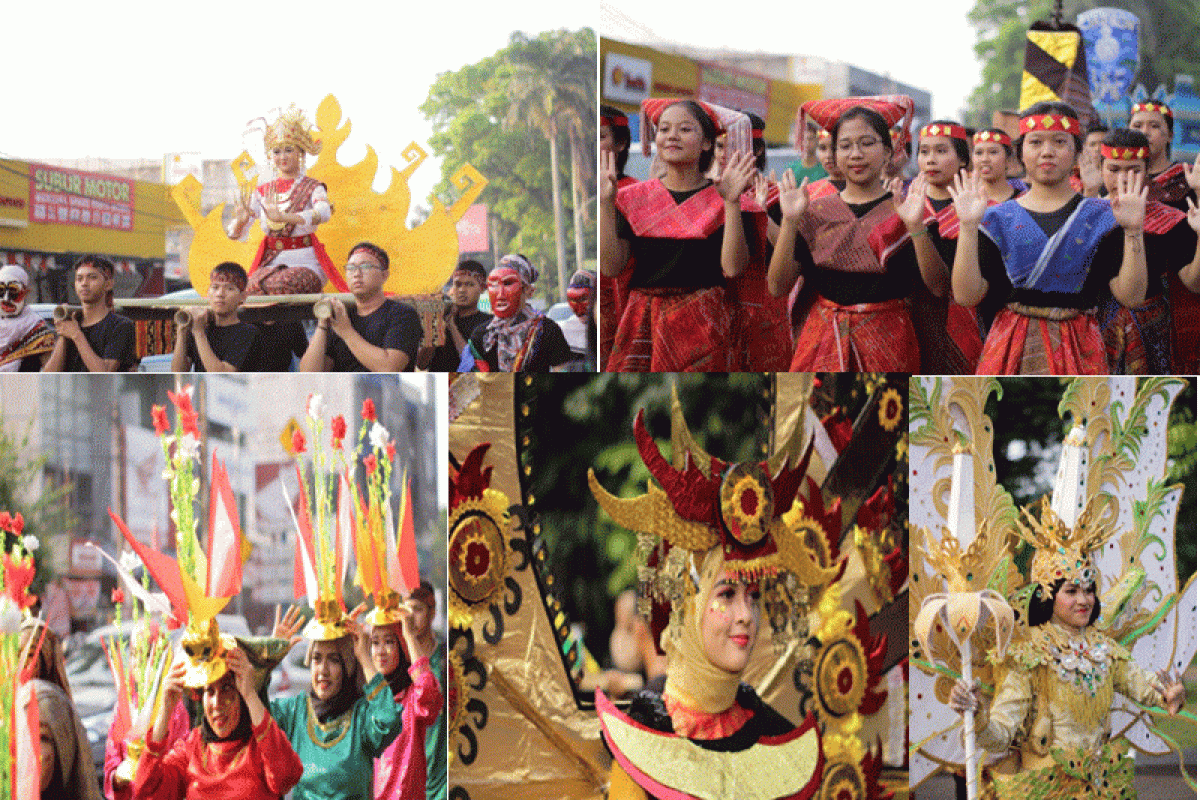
[928,47]
[140,78]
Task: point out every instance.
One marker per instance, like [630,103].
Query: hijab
[73,772]
[352,679]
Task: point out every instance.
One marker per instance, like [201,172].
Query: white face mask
[14,288]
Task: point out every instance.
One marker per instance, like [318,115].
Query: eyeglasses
[354,269]
[863,144]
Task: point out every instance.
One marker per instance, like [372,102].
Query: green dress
[338,755]
[435,734]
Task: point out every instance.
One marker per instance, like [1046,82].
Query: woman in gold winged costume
[1054,691]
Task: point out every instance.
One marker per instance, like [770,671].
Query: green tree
[485,114]
[1170,44]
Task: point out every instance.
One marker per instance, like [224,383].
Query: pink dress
[114,752]
[400,771]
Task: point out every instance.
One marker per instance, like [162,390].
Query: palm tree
[551,88]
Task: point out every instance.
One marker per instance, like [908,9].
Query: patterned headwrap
[583,279]
[894,108]
[734,124]
[527,271]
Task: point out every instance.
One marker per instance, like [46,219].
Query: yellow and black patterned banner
[1056,69]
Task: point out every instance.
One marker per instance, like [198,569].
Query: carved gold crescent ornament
[653,513]
[674,768]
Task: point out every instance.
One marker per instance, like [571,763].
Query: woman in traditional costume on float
[853,306]
[290,258]
[1054,692]
[685,234]
[728,555]
[1050,255]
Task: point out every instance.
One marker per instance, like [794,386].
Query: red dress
[262,767]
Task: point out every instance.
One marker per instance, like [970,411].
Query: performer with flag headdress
[388,571]
[350,715]
[238,749]
[685,234]
[290,258]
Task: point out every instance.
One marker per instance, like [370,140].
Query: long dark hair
[1041,609]
[620,135]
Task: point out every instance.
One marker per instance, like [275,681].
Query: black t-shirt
[275,346]
[679,263]
[112,338]
[392,326]
[852,288]
[445,356]
[549,350]
[1167,253]
[230,343]
[1106,263]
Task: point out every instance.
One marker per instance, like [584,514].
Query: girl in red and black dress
[1138,339]
[858,316]
[686,236]
[615,138]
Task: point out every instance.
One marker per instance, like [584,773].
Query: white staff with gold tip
[958,615]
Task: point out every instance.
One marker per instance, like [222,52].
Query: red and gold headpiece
[993,136]
[942,129]
[750,511]
[1125,153]
[1150,105]
[1049,122]
[1062,553]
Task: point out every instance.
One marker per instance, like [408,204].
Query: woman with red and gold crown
[290,258]
[730,553]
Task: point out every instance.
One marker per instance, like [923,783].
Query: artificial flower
[118,596]
[298,442]
[187,414]
[378,437]
[315,407]
[391,451]
[31,543]
[189,446]
[158,415]
[370,462]
[338,429]
[368,412]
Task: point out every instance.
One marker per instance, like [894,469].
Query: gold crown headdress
[478,549]
[292,128]
[745,509]
[1061,552]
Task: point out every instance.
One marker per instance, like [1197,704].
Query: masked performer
[580,329]
[25,338]
[685,234]
[290,258]
[1050,255]
[854,307]
[728,555]
[518,339]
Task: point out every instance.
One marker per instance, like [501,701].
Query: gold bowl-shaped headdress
[206,648]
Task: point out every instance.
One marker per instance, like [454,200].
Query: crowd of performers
[1085,265]
[372,724]
[375,333]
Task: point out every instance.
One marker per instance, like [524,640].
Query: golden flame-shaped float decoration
[421,257]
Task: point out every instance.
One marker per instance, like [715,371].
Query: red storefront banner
[59,196]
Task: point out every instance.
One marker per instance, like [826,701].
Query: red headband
[942,129]
[1050,122]
[1125,153]
[615,122]
[1150,105]
[993,136]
